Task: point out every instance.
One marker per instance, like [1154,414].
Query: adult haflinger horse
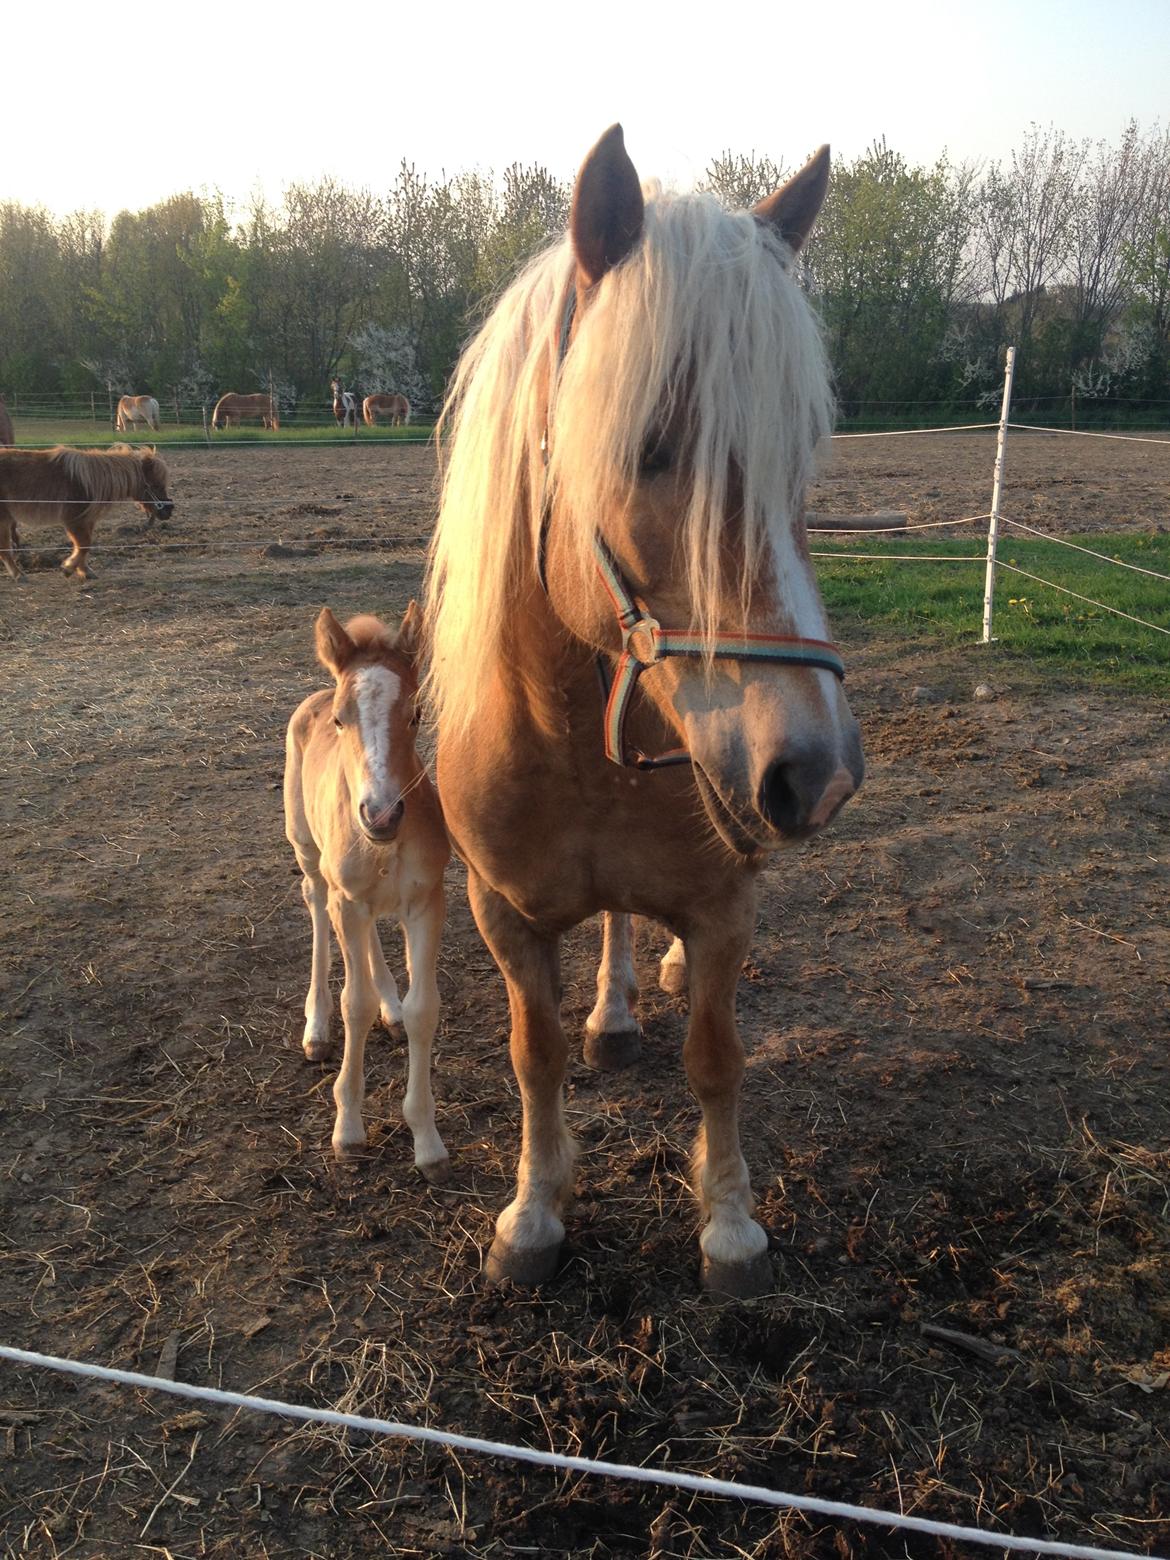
[71,487]
[345,405]
[665,364]
[390,406]
[365,823]
[134,410]
[233,408]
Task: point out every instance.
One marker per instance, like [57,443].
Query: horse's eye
[657,456]
[338,722]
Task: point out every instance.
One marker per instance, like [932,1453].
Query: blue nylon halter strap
[644,641]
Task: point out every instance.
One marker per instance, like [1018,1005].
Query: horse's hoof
[738,1280]
[673,978]
[348,1149]
[526,1268]
[318,1050]
[612,1049]
[393,1026]
[437,1172]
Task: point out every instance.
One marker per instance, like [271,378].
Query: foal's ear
[410,632]
[335,649]
[606,221]
[794,207]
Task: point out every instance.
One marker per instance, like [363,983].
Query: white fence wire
[697,1484]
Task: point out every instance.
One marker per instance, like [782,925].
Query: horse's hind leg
[612,1036]
[8,543]
[420,1015]
[734,1247]
[529,1232]
[672,971]
[79,529]
[384,982]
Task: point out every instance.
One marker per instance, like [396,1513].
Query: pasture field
[956,1110]
[80,433]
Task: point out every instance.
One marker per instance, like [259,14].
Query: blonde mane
[704,315]
[107,475]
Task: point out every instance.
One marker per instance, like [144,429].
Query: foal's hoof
[437,1172]
[526,1268]
[318,1049]
[612,1049]
[738,1280]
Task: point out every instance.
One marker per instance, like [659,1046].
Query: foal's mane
[705,315]
[104,475]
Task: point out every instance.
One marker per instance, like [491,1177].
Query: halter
[644,641]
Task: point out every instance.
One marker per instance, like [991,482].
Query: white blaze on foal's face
[376,788]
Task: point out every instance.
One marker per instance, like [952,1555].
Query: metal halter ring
[652,628]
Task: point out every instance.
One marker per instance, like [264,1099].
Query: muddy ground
[956,1110]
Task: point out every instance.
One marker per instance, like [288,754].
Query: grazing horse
[626,446]
[135,409]
[394,408]
[71,487]
[363,818]
[345,405]
[6,434]
[231,409]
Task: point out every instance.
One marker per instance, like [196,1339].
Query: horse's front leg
[529,1232]
[8,544]
[612,1036]
[734,1247]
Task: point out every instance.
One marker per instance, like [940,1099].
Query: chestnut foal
[365,823]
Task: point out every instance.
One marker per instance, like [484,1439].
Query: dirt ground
[956,1110]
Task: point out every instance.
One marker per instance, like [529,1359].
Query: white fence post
[996,490]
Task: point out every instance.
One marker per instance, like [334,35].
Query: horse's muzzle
[165,508]
[381,824]
[806,788]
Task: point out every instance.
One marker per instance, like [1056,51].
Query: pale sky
[111,108]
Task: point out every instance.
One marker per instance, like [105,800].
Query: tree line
[921,274]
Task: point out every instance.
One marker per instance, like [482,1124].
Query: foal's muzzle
[381,824]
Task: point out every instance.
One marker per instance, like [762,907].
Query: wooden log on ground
[888,520]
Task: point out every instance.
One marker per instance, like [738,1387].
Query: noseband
[644,641]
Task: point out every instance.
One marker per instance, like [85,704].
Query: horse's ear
[795,206]
[606,221]
[335,649]
[410,632]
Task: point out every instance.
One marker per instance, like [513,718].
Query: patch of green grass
[42,433]
[923,601]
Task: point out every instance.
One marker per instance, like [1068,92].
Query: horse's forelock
[705,305]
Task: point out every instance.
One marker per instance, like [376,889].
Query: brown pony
[6,434]
[365,823]
[626,446]
[135,409]
[231,409]
[70,487]
[394,408]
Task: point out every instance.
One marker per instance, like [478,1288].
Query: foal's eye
[338,722]
[656,457]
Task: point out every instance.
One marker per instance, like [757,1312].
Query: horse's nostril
[782,803]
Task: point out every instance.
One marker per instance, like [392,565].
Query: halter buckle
[652,629]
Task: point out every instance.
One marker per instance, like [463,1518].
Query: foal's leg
[672,971]
[359,1007]
[734,1247]
[420,1015]
[529,1232]
[319,1002]
[384,982]
[612,1036]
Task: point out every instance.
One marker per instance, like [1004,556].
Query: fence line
[1061,541]
[898,433]
[1064,590]
[1085,433]
[903,557]
[698,1484]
